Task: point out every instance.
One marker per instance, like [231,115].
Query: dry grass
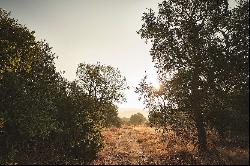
[142,145]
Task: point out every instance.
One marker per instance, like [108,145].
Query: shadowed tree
[198,55]
[40,111]
[105,84]
[27,84]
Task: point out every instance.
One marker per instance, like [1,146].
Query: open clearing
[143,145]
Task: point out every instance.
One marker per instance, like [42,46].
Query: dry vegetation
[143,145]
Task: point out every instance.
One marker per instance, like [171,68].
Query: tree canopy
[105,84]
[137,119]
[198,55]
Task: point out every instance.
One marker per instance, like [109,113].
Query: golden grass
[143,145]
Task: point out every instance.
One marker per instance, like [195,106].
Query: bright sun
[157,86]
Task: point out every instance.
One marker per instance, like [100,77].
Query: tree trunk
[198,117]
[202,137]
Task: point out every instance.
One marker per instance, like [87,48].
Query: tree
[40,111]
[26,77]
[27,81]
[105,85]
[103,82]
[163,110]
[137,119]
[79,136]
[194,47]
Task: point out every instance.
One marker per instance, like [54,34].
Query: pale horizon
[127,112]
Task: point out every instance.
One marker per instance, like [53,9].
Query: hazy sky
[90,31]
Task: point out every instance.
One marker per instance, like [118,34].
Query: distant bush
[137,119]
[125,121]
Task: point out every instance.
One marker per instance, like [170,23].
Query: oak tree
[197,54]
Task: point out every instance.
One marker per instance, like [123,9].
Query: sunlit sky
[90,31]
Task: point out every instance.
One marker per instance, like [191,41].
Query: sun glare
[157,86]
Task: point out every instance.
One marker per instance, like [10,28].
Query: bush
[42,116]
[137,119]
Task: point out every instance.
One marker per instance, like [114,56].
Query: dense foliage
[200,49]
[106,84]
[137,119]
[44,118]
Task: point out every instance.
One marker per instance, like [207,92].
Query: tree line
[45,118]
